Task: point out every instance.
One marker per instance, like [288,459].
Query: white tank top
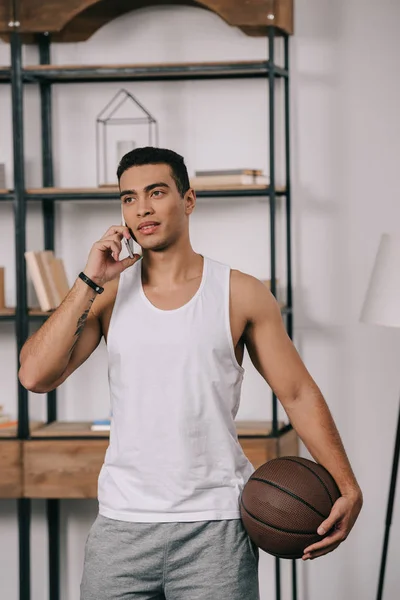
[175,389]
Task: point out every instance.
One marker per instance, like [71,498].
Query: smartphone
[129,244]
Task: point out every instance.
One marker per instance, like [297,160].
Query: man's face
[153,208]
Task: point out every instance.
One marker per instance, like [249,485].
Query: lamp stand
[389,511]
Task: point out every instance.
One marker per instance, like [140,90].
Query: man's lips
[148,227]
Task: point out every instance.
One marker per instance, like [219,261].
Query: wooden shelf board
[12,430]
[145,71]
[48,191]
[111,193]
[63,429]
[11,468]
[10,311]
[82,428]
[69,468]
[255,428]
[192,65]
[6,194]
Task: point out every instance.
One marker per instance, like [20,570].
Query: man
[176,324]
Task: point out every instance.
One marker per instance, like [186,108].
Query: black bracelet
[90,283]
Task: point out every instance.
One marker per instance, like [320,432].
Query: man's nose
[144,208]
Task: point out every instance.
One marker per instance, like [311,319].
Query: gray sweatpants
[202,560]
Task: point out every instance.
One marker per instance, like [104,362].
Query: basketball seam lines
[313,472]
[282,489]
[277,528]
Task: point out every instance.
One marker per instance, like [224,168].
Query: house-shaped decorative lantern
[115,133]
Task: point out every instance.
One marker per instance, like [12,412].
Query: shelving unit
[76,452]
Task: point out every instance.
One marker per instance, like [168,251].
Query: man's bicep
[271,350]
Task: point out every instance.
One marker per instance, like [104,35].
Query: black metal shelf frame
[19,196]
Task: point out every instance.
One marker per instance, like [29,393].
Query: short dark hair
[156,156]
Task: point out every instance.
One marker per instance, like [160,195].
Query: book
[37,274]
[48,277]
[45,258]
[217,181]
[220,172]
[101,425]
[60,278]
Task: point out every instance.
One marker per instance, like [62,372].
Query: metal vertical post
[288,193]
[272,199]
[52,505]
[21,323]
[289,323]
[48,177]
[19,216]
[53,528]
[272,195]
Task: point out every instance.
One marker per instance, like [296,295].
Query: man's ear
[190,201]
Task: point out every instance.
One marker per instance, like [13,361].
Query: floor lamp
[382,307]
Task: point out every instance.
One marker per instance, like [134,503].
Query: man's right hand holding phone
[103,264]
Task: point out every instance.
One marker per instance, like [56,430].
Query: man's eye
[127,200]
[158,192]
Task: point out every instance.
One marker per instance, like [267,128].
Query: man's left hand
[340,522]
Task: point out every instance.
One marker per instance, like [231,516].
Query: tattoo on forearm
[81,324]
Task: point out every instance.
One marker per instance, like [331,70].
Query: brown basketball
[284,502]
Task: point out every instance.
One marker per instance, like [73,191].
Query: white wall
[345,127]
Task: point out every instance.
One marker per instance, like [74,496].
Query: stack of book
[48,277]
[101,425]
[226,179]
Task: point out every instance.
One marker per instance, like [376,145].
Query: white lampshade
[382,301]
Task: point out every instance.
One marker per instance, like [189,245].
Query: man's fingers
[128,262]
[335,537]
[120,229]
[322,552]
[331,521]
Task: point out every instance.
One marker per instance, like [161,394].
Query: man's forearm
[311,418]
[46,353]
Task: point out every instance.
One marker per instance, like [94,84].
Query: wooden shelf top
[78,20]
[62,429]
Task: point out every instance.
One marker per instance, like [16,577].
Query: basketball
[284,502]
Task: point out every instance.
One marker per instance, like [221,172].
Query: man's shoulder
[249,294]
[245,282]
